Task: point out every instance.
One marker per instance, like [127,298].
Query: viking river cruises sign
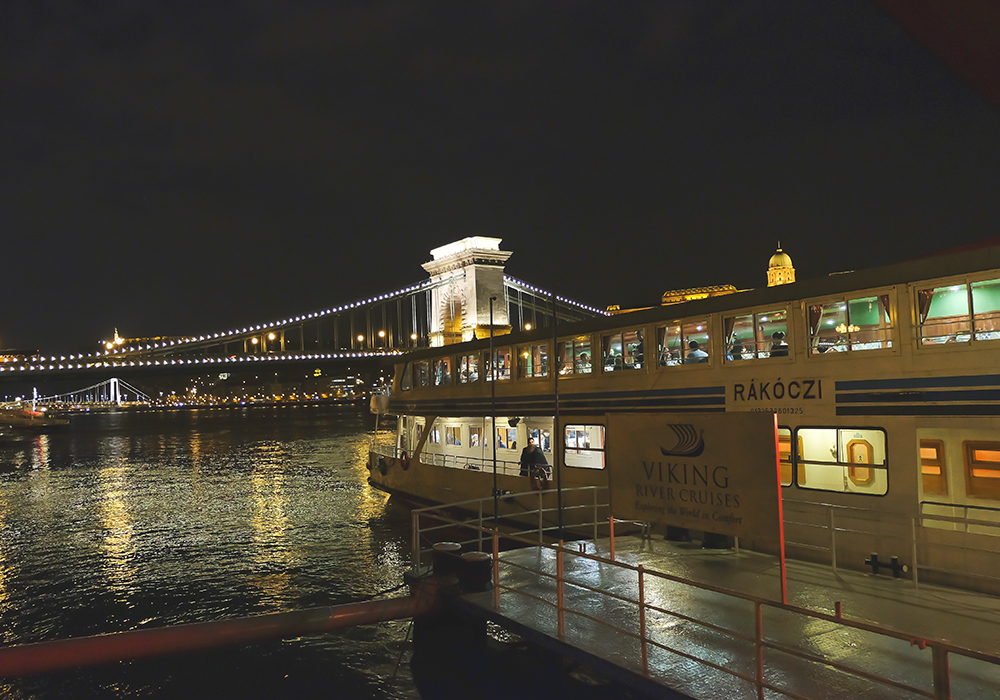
[714,472]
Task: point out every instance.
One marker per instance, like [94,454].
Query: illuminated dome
[780,269]
[780,259]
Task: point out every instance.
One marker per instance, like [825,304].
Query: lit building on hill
[779,269]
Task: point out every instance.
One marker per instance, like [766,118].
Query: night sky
[172,168]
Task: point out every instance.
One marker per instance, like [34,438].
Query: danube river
[134,520]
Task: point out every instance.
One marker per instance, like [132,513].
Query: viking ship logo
[690,443]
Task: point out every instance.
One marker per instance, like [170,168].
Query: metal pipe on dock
[43,657]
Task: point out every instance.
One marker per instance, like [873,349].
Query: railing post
[913,528]
[595,515]
[560,592]
[612,519]
[480,548]
[833,542]
[759,631]
[415,545]
[642,619]
[496,569]
[942,676]
[541,522]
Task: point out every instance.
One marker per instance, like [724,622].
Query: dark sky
[187,167]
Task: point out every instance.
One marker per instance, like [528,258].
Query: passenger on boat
[695,354]
[583,364]
[778,346]
[532,457]
[736,350]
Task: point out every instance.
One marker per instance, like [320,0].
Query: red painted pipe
[87,651]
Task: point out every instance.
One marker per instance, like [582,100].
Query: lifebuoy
[404,460]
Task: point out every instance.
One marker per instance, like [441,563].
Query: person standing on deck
[531,456]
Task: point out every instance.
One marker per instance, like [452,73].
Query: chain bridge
[467,295]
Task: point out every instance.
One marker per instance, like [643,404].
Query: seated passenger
[695,354]
[583,364]
[778,346]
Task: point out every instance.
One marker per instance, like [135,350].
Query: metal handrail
[905,523]
[483,507]
[940,650]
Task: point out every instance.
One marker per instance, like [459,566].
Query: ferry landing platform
[672,620]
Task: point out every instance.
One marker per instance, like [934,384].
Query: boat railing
[474,463]
[586,507]
[910,537]
[647,614]
[386,447]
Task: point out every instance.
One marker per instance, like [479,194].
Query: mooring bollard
[446,559]
[476,572]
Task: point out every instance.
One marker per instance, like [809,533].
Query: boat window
[507,438]
[422,372]
[542,438]
[533,360]
[785,457]
[502,365]
[683,343]
[442,371]
[468,368]
[846,460]
[959,313]
[986,309]
[575,356]
[584,446]
[622,350]
[453,435]
[982,469]
[406,380]
[475,436]
[435,436]
[842,325]
[932,471]
[756,335]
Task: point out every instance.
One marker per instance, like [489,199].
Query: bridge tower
[469,273]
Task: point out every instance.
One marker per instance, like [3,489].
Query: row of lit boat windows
[981,468]
[583,445]
[859,462]
[961,312]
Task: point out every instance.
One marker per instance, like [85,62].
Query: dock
[672,620]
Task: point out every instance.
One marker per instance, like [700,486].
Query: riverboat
[885,384]
[23,418]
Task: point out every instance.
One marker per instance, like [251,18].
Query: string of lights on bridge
[346,307]
[96,360]
[90,363]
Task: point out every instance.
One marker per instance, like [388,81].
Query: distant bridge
[466,296]
[113,391]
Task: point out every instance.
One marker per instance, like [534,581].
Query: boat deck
[698,637]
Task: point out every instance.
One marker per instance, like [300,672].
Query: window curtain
[924,298]
[883,301]
[815,314]
[728,324]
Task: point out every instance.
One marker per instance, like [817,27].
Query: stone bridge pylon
[465,276]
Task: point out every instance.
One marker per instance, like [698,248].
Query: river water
[134,520]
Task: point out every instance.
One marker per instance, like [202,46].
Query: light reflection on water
[131,520]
